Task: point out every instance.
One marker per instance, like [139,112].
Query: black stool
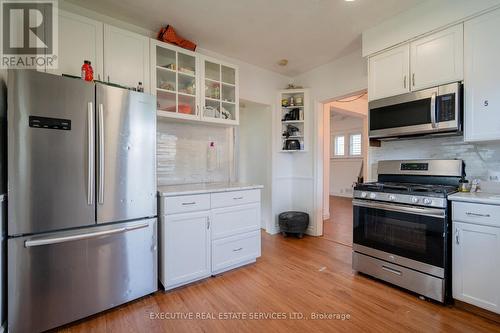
[293,223]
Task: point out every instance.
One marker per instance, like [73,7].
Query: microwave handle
[433,110]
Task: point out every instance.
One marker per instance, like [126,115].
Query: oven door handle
[432,212]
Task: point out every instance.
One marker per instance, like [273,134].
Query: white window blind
[355,144]
[339,145]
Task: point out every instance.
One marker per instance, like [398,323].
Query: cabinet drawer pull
[238,249]
[188,203]
[477,214]
[391,270]
[238,198]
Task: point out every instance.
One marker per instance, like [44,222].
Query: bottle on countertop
[140,87]
[87,71]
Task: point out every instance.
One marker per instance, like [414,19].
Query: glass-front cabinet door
[174,81]
[219,82]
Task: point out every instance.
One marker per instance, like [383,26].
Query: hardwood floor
[304,276]
[338,227]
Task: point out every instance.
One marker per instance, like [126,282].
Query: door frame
[321,142]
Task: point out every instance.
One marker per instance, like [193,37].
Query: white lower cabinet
[234,251]
[229,221]
[476,264]
[185,248]
[198,240]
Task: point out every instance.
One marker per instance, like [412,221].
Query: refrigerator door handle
[100,195]
[64,239]
[91,153]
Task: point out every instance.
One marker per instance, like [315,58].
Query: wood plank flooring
[305,276]
[338,227]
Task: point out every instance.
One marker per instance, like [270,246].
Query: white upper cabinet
[482,73]
[437,59]
[174,81]
[80,39]
[389,73]
[126,58]
[193,87]
[220,93]
[427,62]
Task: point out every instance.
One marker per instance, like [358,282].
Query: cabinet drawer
[227,253]
[230,221]
[476,213]
[184,204]
[225,199]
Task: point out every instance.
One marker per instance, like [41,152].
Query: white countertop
[186,189]
[478,197]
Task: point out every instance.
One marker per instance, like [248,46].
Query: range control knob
[427,201]
[373,195]
[392,197]
[415,200]
[363,194]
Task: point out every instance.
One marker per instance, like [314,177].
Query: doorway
[345,159]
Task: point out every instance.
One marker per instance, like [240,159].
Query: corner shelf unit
[293,105]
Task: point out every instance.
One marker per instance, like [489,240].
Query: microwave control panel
[446,107]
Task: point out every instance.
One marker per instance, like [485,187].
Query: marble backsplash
[482,160]
[183,149]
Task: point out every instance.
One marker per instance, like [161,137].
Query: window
[339,145]
[347,144]
[355,145]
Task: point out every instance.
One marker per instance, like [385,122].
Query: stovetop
[441,191]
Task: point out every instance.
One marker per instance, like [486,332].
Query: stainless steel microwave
[435,110]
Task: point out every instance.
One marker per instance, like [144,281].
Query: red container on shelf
[87,71]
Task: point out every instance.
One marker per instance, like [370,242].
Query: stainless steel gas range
[401,231]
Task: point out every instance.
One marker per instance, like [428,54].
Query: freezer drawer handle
[238,198]
[137,226]
[64,239]
[189,203]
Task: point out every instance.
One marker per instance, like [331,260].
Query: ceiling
[308,33]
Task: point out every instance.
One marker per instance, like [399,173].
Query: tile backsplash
[482,160]
[183,153]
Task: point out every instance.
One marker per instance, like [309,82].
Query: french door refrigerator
[82,199]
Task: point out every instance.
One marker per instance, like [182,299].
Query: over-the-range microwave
[437,110]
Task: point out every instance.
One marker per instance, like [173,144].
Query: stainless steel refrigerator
[82,199]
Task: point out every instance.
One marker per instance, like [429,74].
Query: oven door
[410,236]
[425,111]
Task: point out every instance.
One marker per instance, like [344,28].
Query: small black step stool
[293,223]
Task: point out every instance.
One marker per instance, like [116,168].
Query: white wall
[331,81]
[255,155]
[421,19]
[336,79]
